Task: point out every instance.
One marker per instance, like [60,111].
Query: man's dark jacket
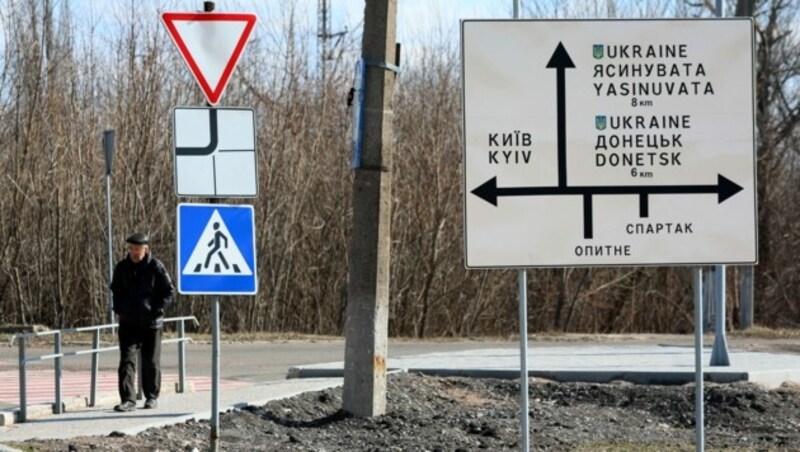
[142,292]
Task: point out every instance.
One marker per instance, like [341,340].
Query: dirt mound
[463,414]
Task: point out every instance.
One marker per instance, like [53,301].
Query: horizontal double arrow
[724,189]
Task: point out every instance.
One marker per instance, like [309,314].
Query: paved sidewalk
[41,387]
[641,364]
[172,409]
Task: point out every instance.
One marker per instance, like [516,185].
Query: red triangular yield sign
[211,44]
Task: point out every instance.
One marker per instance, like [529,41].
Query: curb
[588,376]
[300,372]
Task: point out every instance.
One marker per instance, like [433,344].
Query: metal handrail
[95,351]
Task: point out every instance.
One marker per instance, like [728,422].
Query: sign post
[719,351]
[522,278]
[108,152]
[215,157]
[699,421]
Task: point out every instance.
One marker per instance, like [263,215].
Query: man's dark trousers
[131,338]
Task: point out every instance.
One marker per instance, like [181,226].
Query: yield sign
[211,44]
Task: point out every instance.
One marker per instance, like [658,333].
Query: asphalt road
[270,360]
[244,361]
[247,361]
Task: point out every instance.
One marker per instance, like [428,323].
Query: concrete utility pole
[367,319]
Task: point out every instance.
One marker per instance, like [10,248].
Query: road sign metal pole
[95,367]
[23,395]
[208,6]
[57,407]
[215,373]
[719,353]
[746,272]
[523,334]
[182,357]
[108,150]
[110,252]
[699,424]
[523,357]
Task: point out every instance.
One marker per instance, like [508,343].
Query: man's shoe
[125,406]
[151,403]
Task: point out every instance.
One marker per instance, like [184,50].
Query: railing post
[57,406]
[95,359]
[23,411]
[181,357]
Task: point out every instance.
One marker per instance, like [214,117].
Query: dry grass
[762,332]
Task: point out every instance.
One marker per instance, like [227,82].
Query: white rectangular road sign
[215,152]
[608,142]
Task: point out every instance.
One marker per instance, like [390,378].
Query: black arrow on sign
[725,188]
[561,61]
[213,138]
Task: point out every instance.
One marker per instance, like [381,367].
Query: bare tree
[64,79]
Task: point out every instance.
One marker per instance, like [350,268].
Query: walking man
[216,245]
[142,290]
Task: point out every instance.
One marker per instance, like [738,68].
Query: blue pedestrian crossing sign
[216,250]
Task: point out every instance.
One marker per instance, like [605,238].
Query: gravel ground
[463,414]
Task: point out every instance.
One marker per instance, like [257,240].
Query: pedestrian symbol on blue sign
[215,252]
[216,249]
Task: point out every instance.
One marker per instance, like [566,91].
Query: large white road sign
[608,142]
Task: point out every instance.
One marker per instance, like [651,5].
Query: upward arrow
[561,61]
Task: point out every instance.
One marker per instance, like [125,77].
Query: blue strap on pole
[385,65]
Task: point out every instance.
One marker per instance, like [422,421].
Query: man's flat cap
[138,239]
